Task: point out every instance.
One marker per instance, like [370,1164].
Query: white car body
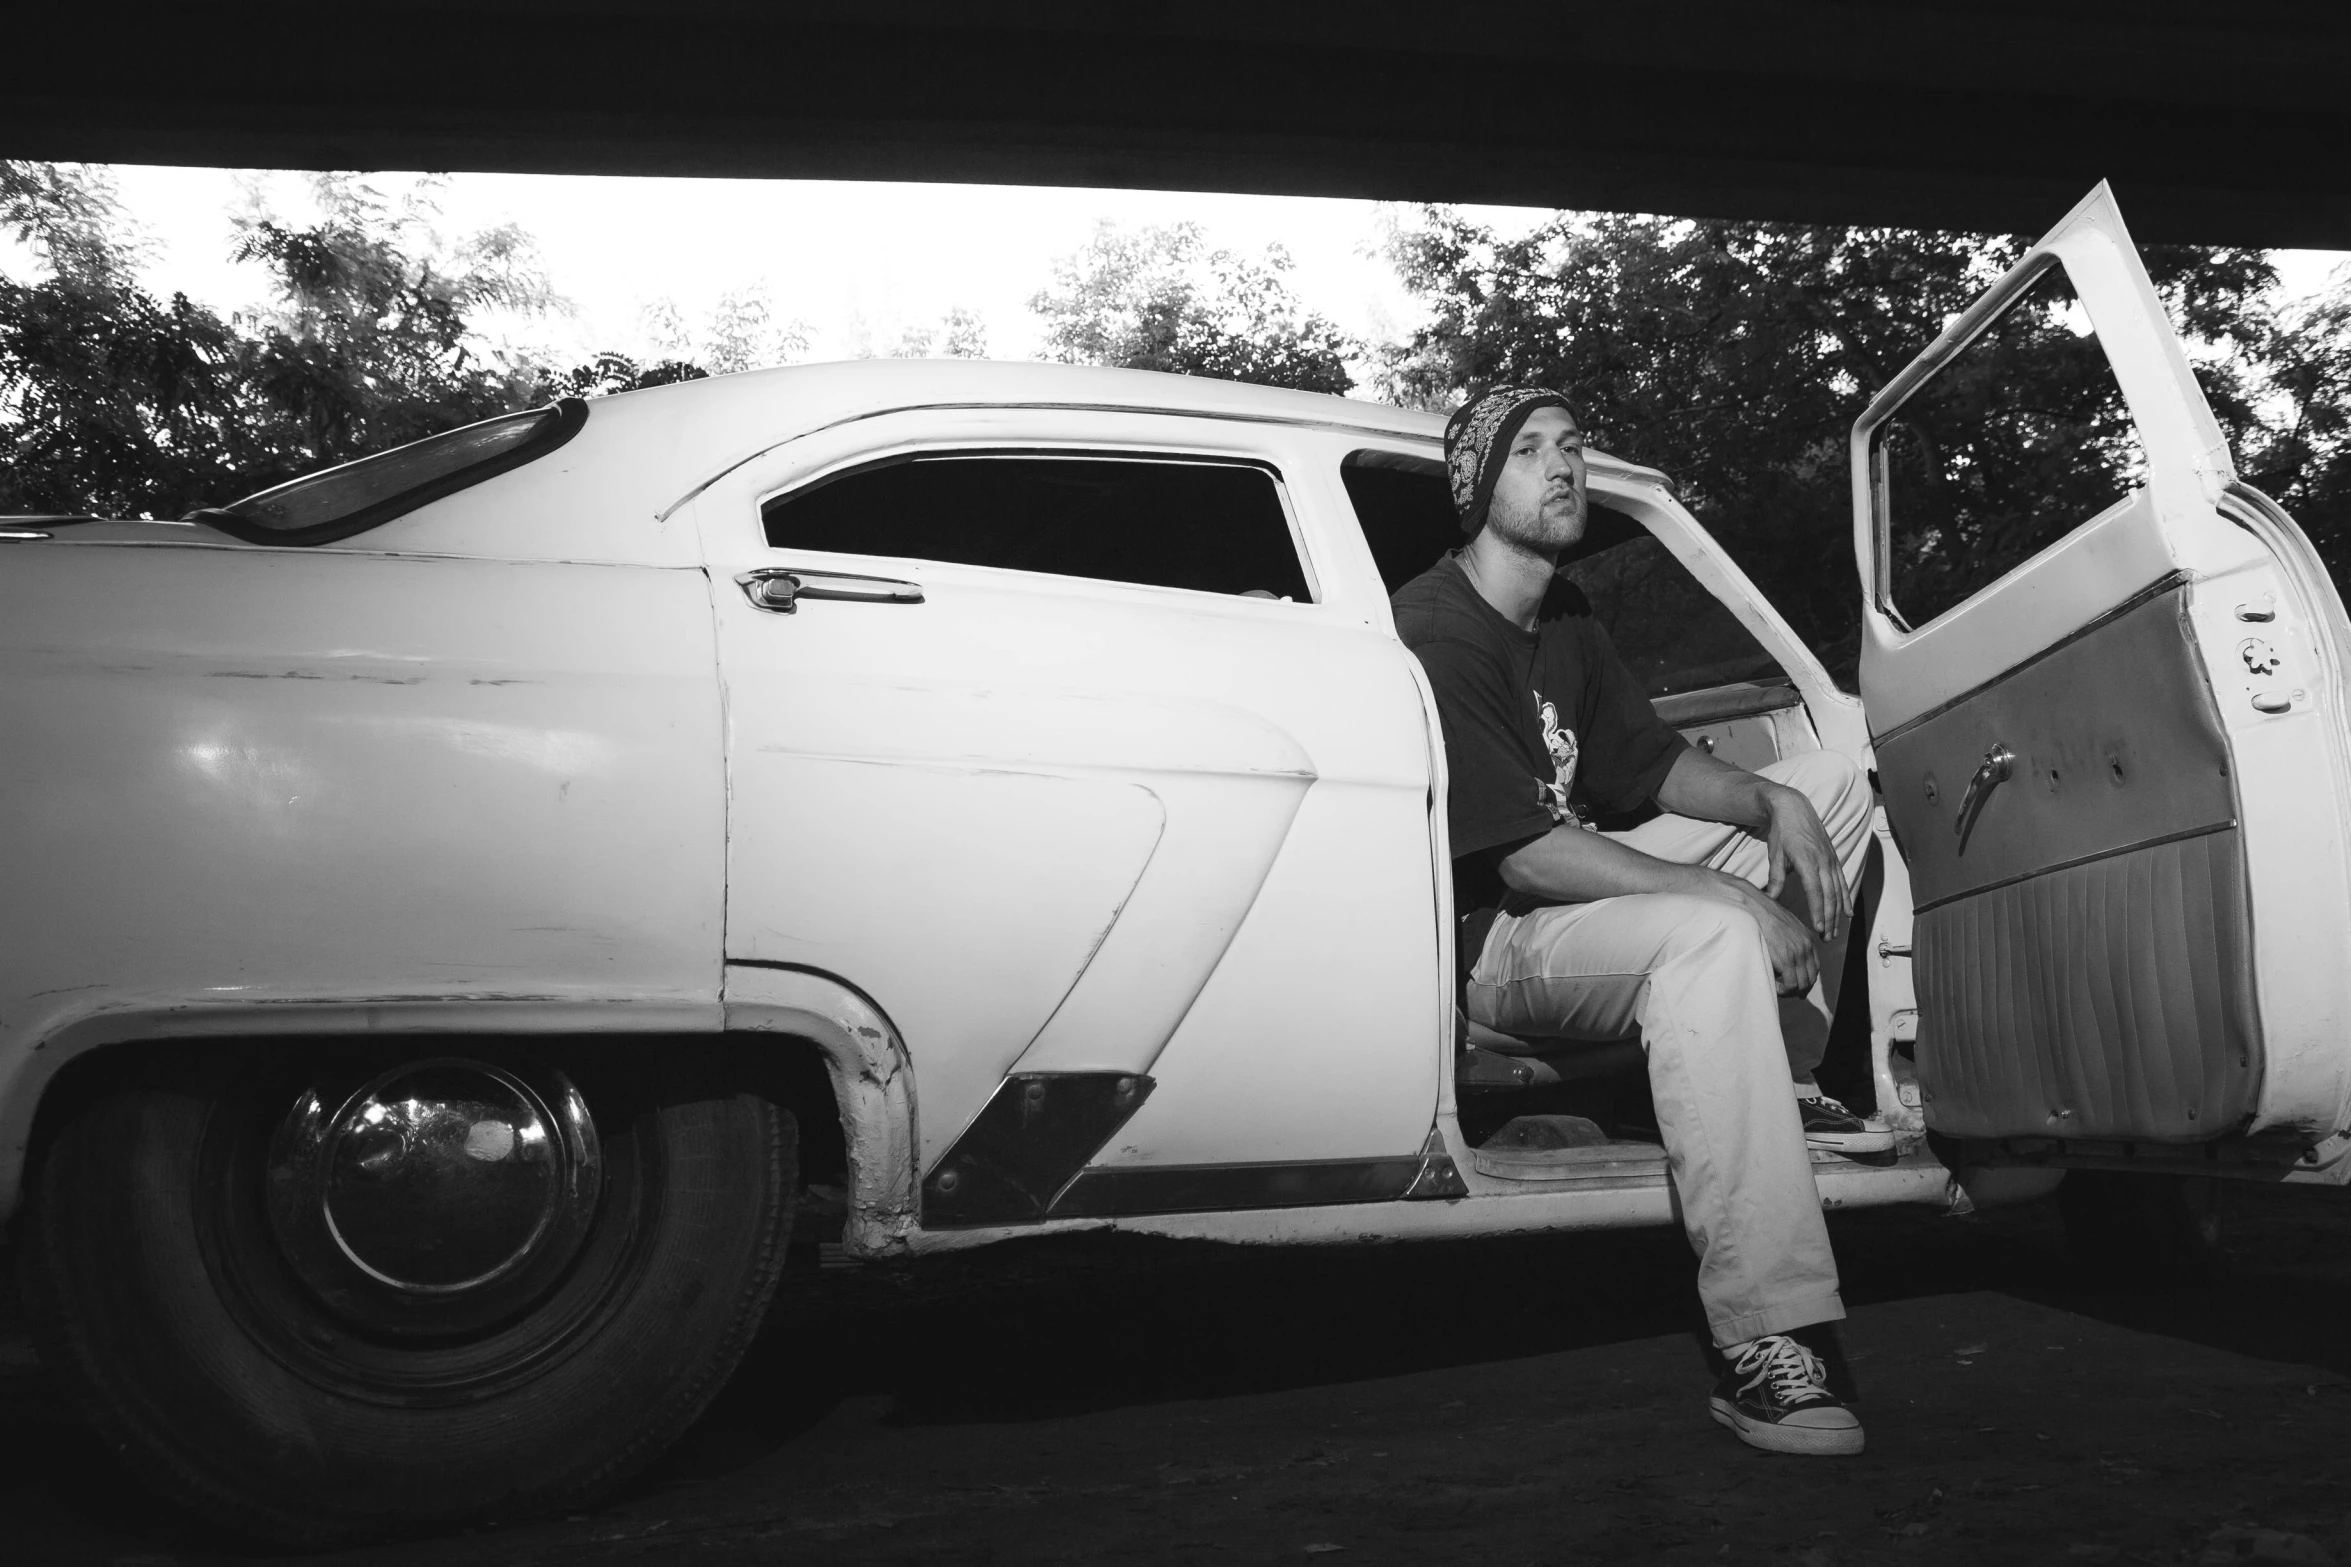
[530,760]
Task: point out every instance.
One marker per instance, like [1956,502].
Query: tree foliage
[612,371]
[1160,299]
[114,401]
[1736,356]
[961,335]
[2303,460]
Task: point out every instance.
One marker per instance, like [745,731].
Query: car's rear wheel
[331,1300]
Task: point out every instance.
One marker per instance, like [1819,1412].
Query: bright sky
[859,263]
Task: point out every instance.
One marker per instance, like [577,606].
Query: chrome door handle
[781,588]
[1998,764]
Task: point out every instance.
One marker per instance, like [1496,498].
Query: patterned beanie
[1479,430]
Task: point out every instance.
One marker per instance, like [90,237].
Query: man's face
[1539,494]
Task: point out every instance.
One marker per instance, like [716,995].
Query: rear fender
[873,1084]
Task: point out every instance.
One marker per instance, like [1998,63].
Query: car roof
[641,454]
[721,420]
[729,418]
[930,382]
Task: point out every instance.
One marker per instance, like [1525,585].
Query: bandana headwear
[1478,432]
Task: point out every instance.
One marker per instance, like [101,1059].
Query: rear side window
[320,508]
[1406,509]
[1212,527]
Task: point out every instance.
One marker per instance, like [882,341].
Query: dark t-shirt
[1541,727]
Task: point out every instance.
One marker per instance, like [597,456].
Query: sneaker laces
[1791,1371]
[1828,1104]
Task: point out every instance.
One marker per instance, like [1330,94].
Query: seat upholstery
[1570,1060]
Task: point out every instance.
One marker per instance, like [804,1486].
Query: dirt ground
[1496,1403]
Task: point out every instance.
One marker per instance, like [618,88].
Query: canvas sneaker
[1831,1128]
[1775,1395]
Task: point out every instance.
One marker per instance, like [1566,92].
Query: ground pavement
[1527,1401]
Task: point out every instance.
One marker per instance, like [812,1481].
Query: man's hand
[1576,866]
[1800,848]
[1795,956]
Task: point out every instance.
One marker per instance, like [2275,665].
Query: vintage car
[460,905]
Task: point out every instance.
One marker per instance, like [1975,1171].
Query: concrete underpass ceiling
[2217,124]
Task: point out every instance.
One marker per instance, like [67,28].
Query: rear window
[320,508]
[1207,525]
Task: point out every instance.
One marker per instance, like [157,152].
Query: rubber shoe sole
[1850,1142]
[1809,1441]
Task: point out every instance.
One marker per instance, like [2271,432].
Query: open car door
[2105,685]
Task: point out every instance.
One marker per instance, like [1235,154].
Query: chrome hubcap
[439,1197]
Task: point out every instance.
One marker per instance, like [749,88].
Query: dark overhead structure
[2218,123]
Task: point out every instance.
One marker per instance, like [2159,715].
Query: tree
[370,343]
[1159,299]
[743,334]
[2304,458]
[1735,357]
[611,371]
[114,401]
[962,335]
[109,398]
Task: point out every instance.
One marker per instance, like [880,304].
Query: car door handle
[781,588]
[1998,764]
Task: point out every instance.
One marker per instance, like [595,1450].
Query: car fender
[873,1085]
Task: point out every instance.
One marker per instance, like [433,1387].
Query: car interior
[1553,1109]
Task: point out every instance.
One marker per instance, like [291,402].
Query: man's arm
[1713,791]
[1575,866]
[1627,732]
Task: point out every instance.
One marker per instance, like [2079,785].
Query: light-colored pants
[1692,978]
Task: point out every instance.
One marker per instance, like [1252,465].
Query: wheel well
[783,1069]
[791,1072]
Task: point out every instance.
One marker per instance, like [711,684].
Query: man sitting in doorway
[1688,929]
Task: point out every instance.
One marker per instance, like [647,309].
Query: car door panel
[1221,839]
[1257,1069]
[2071,584]
[2127,860]
[964,849]
[2114,836]
[1230,714]
[2116,743]
[977,917]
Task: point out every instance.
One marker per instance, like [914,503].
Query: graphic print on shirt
[1560,742]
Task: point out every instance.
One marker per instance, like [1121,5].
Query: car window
[1672,633]
[321,508]
[1210,526]
[1405,508]
[2016,442]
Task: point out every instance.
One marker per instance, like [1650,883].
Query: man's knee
[1695,928]
[1832,781]
[1822,776]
